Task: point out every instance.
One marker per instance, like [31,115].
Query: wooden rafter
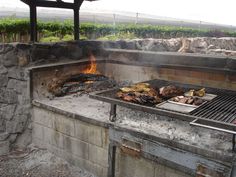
[25,1]
[54,4]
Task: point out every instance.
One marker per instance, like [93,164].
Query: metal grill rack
[222,108]
[218,114]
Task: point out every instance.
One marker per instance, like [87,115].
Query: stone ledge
[71,115]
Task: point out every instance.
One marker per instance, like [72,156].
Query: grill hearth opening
[81,81]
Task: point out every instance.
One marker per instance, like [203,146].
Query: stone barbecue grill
[195,144]
[105,135]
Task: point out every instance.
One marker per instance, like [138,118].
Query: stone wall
[204,45]
[14,100]
[15,106]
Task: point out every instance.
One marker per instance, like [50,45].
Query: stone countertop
[179,133]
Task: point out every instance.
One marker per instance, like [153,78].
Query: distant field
[16,30]
[114,18]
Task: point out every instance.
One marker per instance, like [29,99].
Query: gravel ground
[37,163]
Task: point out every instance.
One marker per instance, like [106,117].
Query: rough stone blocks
[4,147]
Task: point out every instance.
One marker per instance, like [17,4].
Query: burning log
[87,80]
[80,83]
[83,77]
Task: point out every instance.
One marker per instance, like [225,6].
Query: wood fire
[92,68]
[83,81]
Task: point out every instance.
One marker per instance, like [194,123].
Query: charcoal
[102,85]
[70,84]
[83,83]
[75,87]
[87,77]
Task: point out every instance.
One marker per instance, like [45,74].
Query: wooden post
[33,21]
[33,4]
[76,23]
[77,4]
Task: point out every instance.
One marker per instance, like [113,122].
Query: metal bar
[112,117]
[111,160]
[202,111]
[227,109]
[220,109]
[202,108]
[231,112]
[233,142]
[33,21]
[214,105]
[194,123]
[231,119]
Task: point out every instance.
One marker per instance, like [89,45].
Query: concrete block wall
[86,145]
[202,70]
[139,167]
[80,143]
[210,79]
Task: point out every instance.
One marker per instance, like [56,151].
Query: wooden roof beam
[25,1]
[54,4]
[78,3]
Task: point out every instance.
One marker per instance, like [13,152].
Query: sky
[214,11]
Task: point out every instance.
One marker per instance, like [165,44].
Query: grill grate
[222,108]
[218,114]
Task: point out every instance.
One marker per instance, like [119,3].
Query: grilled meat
[198,101]
[199,93]
[140,87]
[188,100]
[141,93]
[170,91]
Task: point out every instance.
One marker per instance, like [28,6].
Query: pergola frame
[33,4]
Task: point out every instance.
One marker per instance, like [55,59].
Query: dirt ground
[35,162]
